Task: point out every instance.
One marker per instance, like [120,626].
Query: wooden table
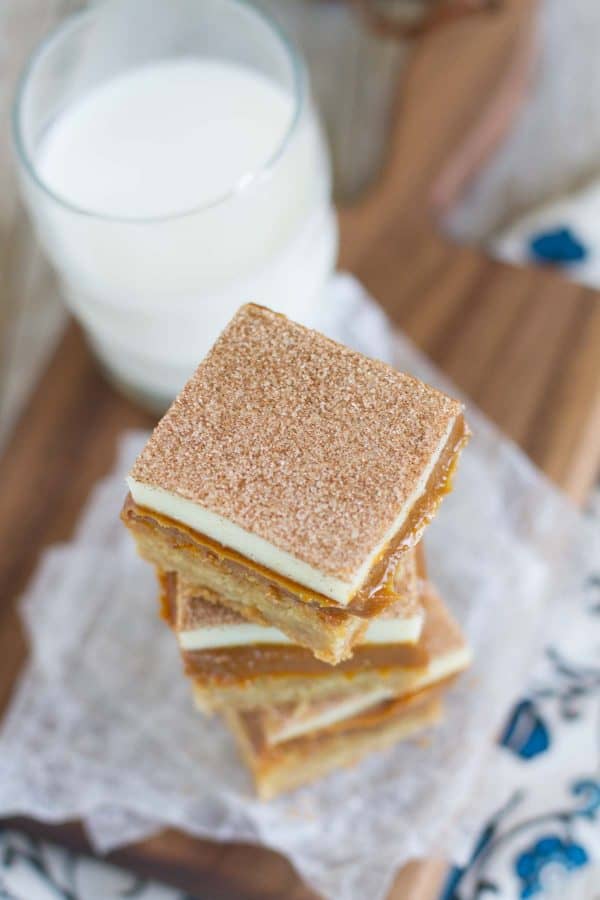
[524,344]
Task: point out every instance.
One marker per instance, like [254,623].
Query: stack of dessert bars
[282,499]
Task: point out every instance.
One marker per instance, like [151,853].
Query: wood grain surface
[523,343]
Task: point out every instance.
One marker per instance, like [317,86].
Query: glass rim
[243,183]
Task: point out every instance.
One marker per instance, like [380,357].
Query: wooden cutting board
[523,343]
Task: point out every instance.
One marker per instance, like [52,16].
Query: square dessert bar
[329,631]
[213,635]
[286,764]
[296,469]
[236,663]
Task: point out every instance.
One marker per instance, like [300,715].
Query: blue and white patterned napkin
[544,838]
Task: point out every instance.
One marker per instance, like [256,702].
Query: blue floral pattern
[547,850]
[526,733]
[558,246]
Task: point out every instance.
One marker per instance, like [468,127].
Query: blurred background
[535,140]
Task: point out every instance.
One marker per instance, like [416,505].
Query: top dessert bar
[304,457]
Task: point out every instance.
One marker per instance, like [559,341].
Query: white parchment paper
[102,726]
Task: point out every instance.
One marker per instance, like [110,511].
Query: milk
[164,138]
[186,188]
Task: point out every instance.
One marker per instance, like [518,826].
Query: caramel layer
[235,664]
[167,596]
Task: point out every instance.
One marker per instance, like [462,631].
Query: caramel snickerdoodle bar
[291,468]
[284,765]
[235,663]
[328,631]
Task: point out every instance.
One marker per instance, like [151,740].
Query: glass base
[146,400]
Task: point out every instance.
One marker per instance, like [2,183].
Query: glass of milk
[174,168]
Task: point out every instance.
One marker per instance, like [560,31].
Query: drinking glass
[153,291]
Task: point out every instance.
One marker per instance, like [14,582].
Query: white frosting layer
[395,631]
[439,669]
[380,631]
[444,667]
[263,552]
[212,636]
[330,715]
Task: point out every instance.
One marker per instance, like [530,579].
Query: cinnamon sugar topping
[299,440]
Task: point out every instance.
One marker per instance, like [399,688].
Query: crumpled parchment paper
[102,726]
